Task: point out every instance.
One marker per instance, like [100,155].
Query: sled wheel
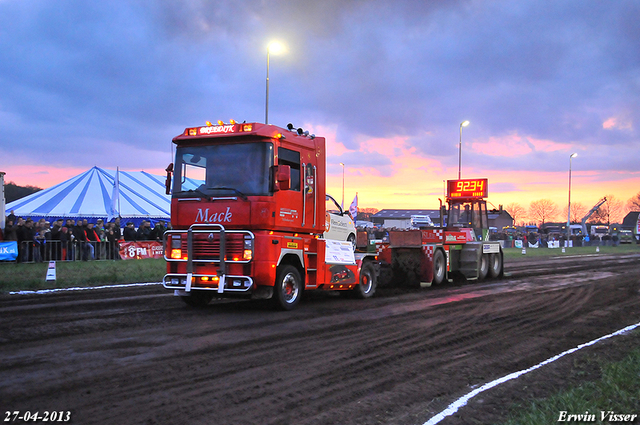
[483,271]
[495,265]
[439,267]
[368,280]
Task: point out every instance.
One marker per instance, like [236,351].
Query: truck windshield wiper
[198,191]
[236,191]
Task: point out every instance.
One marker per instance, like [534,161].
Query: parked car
[338,224]
[625,236]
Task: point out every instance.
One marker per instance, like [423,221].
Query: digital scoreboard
[467,189]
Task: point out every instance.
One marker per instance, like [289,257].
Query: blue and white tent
[99,193]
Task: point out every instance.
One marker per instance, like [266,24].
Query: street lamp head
[573,155]
[464,123]
[275,47]
[342,164]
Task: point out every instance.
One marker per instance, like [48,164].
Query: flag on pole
[115,197]
[353,209]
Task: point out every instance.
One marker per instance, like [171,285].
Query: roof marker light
[209,124]
[232,121]
[220,122]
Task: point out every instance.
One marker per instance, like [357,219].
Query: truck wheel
[288,288]
[197,299]
[368,281]
[483,270]
[495,265]
[439,267]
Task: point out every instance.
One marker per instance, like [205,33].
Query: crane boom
[590,213]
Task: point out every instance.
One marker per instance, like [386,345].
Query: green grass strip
[16,277]
[515,254]
[617,391]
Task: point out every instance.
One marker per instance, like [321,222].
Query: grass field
[15,277]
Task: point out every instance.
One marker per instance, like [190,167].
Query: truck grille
[207,248]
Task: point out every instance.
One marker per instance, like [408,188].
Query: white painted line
[79,288]
[462,401]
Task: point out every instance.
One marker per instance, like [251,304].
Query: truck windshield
[223,170]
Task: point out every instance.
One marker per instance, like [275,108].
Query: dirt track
[141,356]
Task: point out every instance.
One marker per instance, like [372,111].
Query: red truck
[248,216]
[248,209]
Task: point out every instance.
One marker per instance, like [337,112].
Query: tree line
[546,211]
[13,192]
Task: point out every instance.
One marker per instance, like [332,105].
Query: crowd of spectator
[68,239]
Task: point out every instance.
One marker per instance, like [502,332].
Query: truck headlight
[176,247]
[248,248]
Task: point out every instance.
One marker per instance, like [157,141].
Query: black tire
[288,288]
[439,267]
[483,269]
[495,265]
[368,282]
[198,298]
[352,238]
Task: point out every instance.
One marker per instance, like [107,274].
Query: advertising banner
[141,249]
[339,252]
[8,251]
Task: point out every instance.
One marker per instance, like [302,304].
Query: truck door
[289,212]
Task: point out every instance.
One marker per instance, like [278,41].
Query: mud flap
[262,293]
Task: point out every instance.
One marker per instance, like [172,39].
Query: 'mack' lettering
[219,217]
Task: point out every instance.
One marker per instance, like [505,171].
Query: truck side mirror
[167,183]
[282,177]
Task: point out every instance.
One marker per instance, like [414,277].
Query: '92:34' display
[467,188]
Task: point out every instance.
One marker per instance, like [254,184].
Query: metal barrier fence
[33,252]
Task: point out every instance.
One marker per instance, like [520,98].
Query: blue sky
[387,82]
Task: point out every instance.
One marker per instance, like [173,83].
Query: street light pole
[266,109]
[573,155]
[274,47]
[462,124]
[342,186]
